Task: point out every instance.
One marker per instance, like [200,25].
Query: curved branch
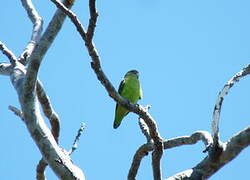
[96,66]
[54,123]
[217,108]
[40,169]
[216,148]
[48,110]
[36,32]
[5,69]
[60,163]
[8,53]
[41,48]
[25,84]
[139,155]
[16,112]
[207,167]
[204,136]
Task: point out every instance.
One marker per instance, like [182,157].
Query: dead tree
[23,72]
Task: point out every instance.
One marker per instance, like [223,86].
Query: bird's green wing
[130,89]
[120,111]
[121,86]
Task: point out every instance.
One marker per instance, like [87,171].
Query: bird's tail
[117,123]
[120,113]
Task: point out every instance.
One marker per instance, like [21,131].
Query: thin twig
[8,53]
[77,138]
[5,69]
[16,111]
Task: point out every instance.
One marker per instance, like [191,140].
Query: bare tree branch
[204,136]
[140,153]
[72,17]
[96,66]
[92,20]
[158,148]
[28,101]
[30,92]
[217,109]
[77,138]
[216,148]
[16,112]
[5,69]
[45,104]
[41,48]
[207,167]
[25,84]
[54,122]
[144,127]
[55,157]
[36,32]
[48,110]
[40,170]
[8,53]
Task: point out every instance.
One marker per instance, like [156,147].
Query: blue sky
[185,52]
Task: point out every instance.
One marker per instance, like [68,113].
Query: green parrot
[130,89]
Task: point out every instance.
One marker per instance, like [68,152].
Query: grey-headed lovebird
[130,89]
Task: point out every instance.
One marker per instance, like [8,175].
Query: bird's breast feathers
[131,89]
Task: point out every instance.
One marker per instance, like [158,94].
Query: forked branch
[215,148]
[207,167]
[36,32]
[96,66]
[203,136]
[8,53]
[30,90]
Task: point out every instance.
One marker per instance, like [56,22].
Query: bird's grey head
[134,72]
